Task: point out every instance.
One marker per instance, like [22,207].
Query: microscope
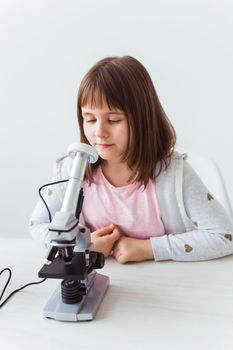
[70,257]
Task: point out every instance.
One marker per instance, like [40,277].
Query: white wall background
[47,46]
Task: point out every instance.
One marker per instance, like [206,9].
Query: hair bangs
[97,92]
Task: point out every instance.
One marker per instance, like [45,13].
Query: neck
[118,174]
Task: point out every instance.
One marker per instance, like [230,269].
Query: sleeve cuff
[161,248]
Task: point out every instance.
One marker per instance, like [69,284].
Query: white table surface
[165,305]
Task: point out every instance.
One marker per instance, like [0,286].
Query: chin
[104,157]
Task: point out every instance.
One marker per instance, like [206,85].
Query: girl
[142,199]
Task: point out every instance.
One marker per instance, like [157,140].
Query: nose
[101,130]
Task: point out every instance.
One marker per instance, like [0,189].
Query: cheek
[87,131]
[124,132]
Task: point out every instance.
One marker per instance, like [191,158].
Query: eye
[114,120]
[89,120]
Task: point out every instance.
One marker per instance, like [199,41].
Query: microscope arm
[63,228]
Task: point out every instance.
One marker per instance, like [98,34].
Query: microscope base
[82,311]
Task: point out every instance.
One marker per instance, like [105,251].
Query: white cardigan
[196,225]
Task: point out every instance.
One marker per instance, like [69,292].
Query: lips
[104,144]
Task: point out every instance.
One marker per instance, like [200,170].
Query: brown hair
[125,84]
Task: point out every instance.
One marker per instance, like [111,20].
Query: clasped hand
[109,241]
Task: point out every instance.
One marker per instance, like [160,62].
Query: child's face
[107,130]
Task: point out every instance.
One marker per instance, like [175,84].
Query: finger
[118,256]
[103,231]
[114,235]
[122,259]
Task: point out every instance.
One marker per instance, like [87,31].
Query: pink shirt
[132,209]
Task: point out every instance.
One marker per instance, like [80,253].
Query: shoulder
[177,156]
[177,170]
[175,161]
[183,166]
